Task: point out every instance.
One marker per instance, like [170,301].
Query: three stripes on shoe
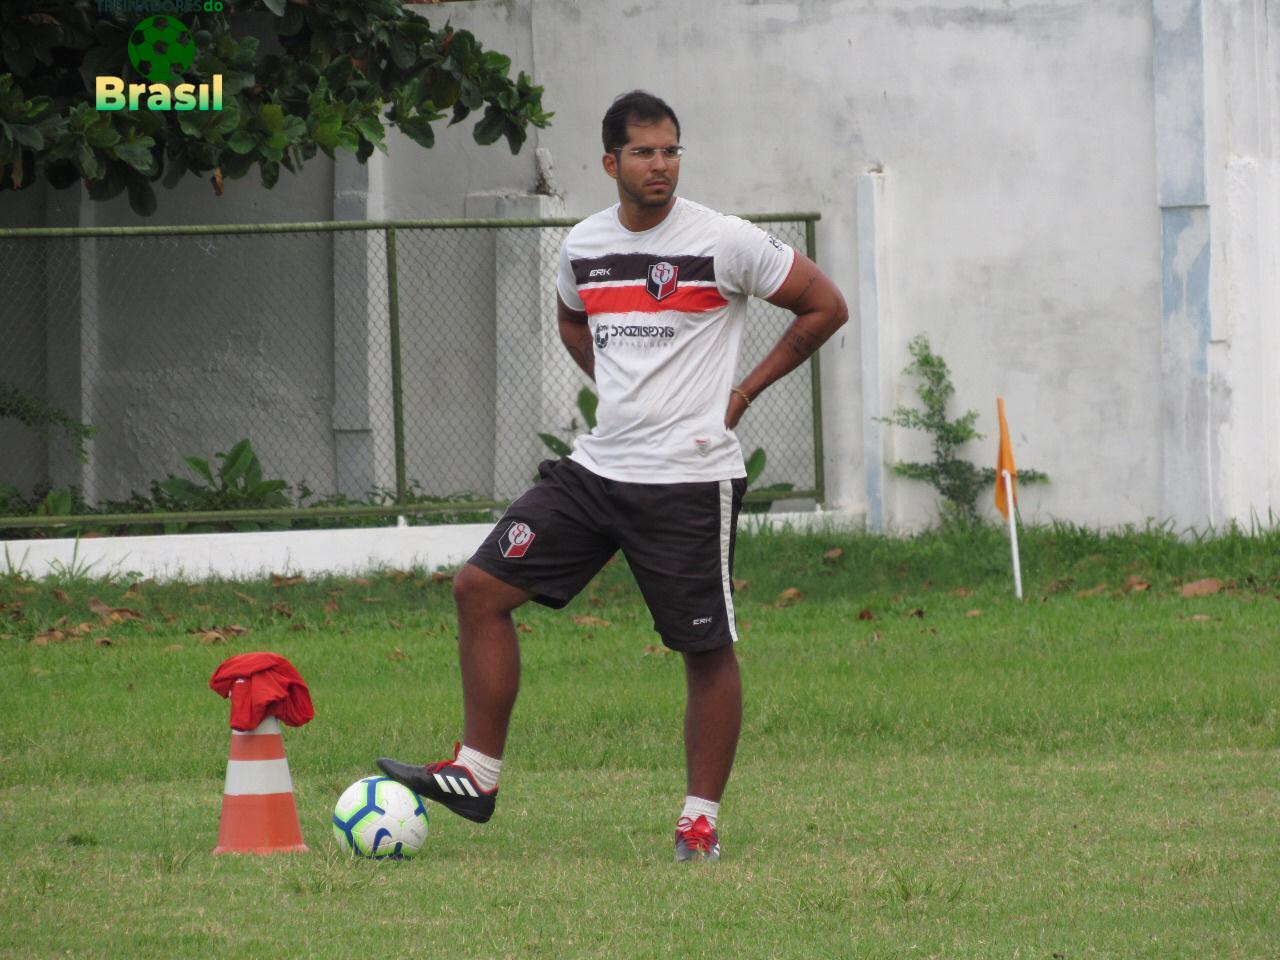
[462,787]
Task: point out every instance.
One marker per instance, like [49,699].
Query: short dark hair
[639,107]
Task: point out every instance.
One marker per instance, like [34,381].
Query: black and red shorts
[678,539]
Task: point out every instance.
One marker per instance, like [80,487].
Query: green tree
[347,69]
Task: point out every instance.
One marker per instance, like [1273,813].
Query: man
[653,298]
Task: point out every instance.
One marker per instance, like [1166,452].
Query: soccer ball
[161,49]
[377,817]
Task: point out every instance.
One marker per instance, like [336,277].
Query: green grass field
[928,768]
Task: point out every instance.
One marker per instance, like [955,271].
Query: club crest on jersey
[515,542]
[661,281]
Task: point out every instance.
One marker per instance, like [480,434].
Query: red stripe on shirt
[637,299]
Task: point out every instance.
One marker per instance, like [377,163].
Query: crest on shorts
[516,541]
[661,280]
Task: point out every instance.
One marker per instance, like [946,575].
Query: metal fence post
[815,381]
[397,384]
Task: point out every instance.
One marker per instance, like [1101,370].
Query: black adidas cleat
[447,783]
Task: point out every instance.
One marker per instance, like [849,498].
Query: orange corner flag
[1004,461]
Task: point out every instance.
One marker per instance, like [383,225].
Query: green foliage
[237,485]
[386,496]
[958,480]
[755,466]
[39,416]
[346,69]
[588,403]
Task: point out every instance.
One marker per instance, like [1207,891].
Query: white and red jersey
[666,308]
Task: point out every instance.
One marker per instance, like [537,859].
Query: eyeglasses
[646,154]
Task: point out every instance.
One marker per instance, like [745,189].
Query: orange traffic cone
[258,812]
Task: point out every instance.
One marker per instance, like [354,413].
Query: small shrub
[958,480]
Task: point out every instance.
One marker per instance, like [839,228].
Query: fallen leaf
[234,630]
[1057,586]
[439,577]
[331,606]
[132,593]
[832,555]
[866,614]
[395,624]
[61,596]
[398,576]
[282,609]
[279,581]
[102,641]
[973,613]
[397,654]
[917,612]
[1135,584]
[48,637]
[788,597]
[245,598]
[587,620]
[1097,591]
[655,650]
[210,637]
[524,628]
[1200,618]
[112,614]
[962,592]
[81,630]
[1202,588]
[740,584]
[361,581]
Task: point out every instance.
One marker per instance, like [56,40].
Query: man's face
[647,181]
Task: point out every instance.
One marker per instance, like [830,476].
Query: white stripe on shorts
[726,538]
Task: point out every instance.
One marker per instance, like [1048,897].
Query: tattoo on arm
[801,342]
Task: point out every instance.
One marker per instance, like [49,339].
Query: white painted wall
[1037,181]
[1019,222]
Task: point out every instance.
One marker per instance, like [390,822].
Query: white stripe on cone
[246,777]
[254,777]
[269,725]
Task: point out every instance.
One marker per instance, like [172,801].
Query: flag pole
[1013,534]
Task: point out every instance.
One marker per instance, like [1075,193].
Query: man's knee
[722,662]
[476,591]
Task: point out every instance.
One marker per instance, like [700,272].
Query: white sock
[695,807]
[484,769]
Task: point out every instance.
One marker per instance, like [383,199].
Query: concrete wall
[1077,202]
[22,340]
[1015,145]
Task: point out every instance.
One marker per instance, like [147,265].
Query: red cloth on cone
[272,688]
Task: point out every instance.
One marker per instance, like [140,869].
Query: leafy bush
[42,418]
[237,485]
[959,481]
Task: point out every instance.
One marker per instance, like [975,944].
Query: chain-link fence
[376,369]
